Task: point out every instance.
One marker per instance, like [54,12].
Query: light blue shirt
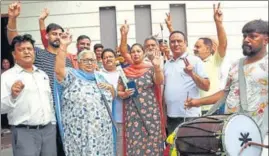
[178,83]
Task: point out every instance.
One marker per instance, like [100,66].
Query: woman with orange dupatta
[142,132]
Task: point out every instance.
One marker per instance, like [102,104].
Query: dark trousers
[4,121]
[60,149]
[172,123]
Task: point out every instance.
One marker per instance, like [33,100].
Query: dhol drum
[222,135]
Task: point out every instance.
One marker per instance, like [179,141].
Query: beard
[55,44]
[250,51]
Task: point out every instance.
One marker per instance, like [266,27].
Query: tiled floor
[6,141]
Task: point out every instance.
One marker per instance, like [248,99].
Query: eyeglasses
[87,61]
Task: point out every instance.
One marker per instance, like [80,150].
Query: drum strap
[242,84]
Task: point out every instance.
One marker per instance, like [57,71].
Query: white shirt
[34,105]
[178,84]
[113,78]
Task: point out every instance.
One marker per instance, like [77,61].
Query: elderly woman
[84,119]
[142,113]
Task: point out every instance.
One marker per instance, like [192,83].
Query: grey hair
[83,52]
[151,38]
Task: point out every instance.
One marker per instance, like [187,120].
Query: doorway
[5,47]
[5,54]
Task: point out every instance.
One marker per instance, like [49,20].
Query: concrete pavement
[6,152]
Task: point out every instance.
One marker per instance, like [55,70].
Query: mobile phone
[132,85]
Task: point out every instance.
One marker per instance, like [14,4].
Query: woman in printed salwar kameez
[143,120]
[85,124]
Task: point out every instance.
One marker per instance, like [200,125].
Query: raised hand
[65,38]
[14,10]
[156,61]
[16,89]
[218,16]
[168,19]
[44,14]
[124,28]
[188,67]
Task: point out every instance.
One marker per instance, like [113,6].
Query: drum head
[237,129]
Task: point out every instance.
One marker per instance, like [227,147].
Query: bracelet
[11,29]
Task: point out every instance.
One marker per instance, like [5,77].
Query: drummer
[255,41]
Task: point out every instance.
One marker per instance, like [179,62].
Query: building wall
[82,17]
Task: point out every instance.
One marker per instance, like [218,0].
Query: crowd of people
[123,101]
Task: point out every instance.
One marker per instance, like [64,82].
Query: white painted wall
[82,17]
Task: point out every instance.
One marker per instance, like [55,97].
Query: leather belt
[32,126]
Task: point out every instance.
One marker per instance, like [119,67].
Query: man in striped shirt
[83,41]
[45,59]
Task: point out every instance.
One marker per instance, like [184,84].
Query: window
[178,11]
[143,25]
[108,27]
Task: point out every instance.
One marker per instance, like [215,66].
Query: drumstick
[162,31]
[252,143]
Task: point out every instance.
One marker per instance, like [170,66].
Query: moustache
[246,47]
[56,41]
[87,48]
